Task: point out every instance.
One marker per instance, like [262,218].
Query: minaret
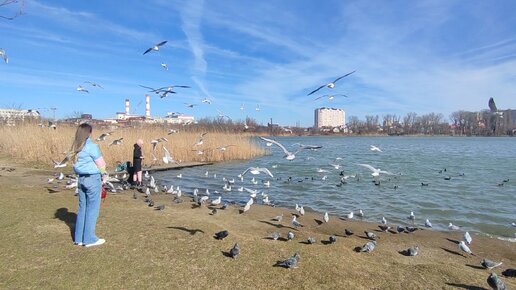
[126,107]
[147,106]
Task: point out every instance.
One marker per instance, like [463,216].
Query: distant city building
[86,117]
[175,119]
[10,116]
[329,117]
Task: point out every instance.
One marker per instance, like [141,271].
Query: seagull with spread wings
[62,163]
[117,142]
[200,141]
[493,108]
[376,171]
[332,84]
[4,55]
[82,89]
[222,115]
[288,155]
[167,158]
[155,47]
[256,171]
[94,84]
[330,97]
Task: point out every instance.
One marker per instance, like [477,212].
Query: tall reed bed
[32,143]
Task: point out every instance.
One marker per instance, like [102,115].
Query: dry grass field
[36,144]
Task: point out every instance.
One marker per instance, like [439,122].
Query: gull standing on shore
[332,84]
[467,238]
[326,217]
[465,248]
[295,223]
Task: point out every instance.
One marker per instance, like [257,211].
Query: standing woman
[91,168]
[137,162]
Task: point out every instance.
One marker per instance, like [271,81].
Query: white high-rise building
[329,117]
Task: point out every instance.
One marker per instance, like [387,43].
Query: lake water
[472,198]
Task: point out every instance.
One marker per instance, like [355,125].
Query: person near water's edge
[137,163]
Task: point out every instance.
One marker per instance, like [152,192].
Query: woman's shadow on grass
[68,217]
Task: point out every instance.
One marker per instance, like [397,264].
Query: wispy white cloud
[201,87]
[191,17]
[85,22]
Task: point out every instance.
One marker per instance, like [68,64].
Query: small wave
[512,240]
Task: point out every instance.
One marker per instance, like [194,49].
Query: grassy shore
[33,143]
[175,248]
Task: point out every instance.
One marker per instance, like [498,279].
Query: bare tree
[19,11]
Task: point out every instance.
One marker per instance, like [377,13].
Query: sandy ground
[175,247]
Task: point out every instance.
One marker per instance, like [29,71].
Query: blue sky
[409,56]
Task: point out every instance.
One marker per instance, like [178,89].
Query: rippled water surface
[472,197]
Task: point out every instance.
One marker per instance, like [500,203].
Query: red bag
[103,194]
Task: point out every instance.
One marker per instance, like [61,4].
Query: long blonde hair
[83,132]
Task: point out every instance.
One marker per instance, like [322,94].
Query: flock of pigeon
[214,200]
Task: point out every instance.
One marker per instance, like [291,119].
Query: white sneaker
[97,243]
[78,244]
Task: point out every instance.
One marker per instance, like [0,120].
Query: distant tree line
[483,123]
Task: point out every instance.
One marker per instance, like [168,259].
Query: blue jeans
[89,205]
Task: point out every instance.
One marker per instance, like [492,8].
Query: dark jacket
[137,153]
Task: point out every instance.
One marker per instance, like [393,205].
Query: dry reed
[33,143]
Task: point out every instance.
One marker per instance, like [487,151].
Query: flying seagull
[224,148]
[167,158]
[4,55]
[309,147]
[201,139]
[93,84]
[257,170]
[332,84]
[155,47]
[103,136]
[376,172]
[492,105]
[116,142]
[82,89]
[330,97]
[374,148]
[62,163]
[206,101]
[222,115]
[288,155]
[164,66]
